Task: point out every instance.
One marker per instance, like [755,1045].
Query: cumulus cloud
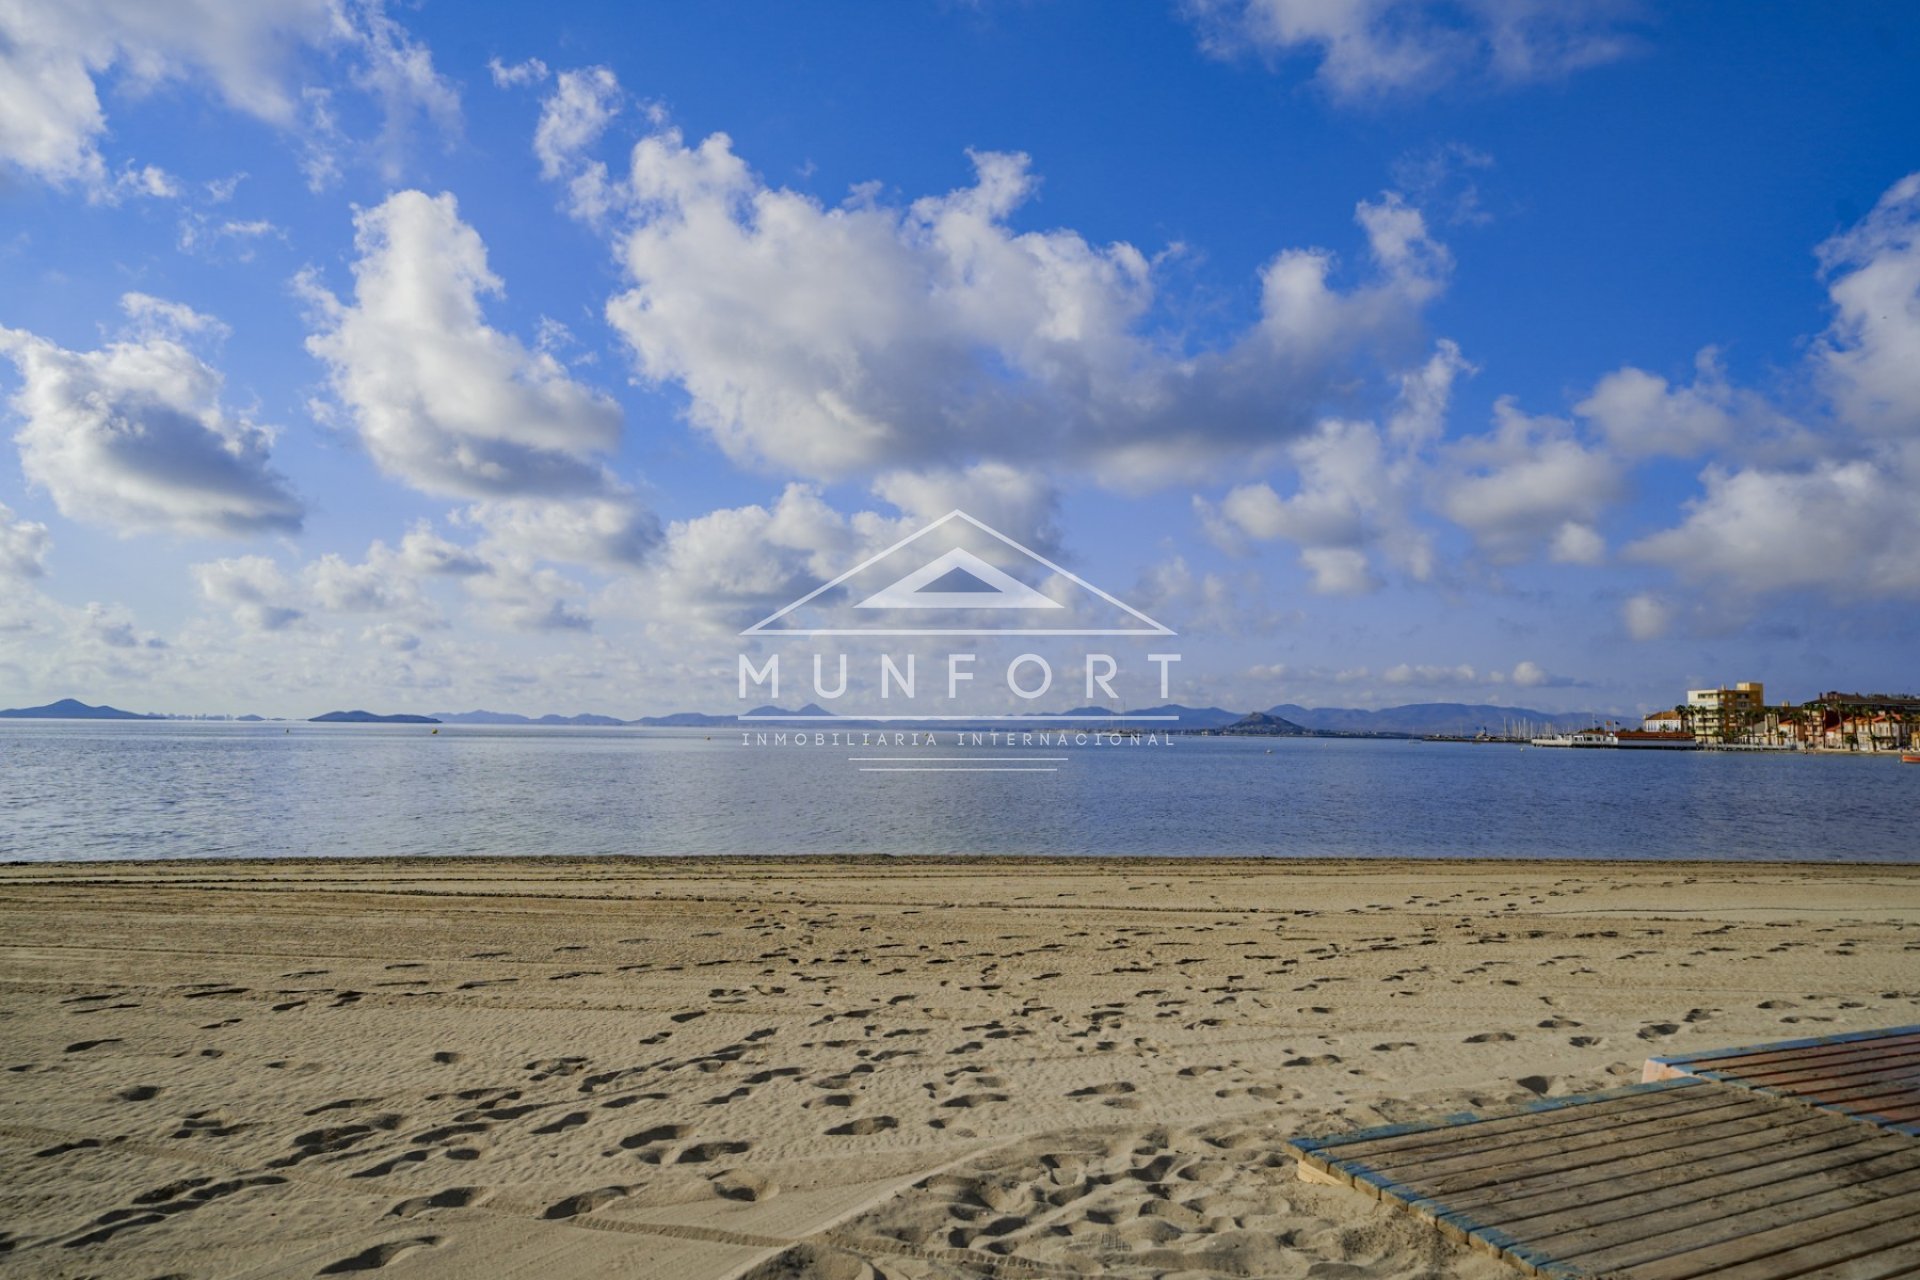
[1355,488]
[55,55]
[572,118]
[1850,528]
[1641,415]
[134,436]
[515,75]
[1369,49]
[1647,616]
[23,546]
[719,572]
[1022,504]
[1843,520]
[455,407]
[1867,355]
[1530,484]
[869,337]
[253,588]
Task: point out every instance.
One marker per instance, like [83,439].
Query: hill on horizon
[74,709]
[1463,718]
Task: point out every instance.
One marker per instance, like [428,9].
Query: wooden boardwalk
[1795,1175]
[1874,1075]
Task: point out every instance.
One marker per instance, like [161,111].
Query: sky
[438,356]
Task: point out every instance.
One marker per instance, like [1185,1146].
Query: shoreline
[930,1068]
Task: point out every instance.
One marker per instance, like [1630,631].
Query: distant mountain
[688,720]
[1432,717]
[71,709]
[1265,725]
[510,717]
[1186,717]
[367,717]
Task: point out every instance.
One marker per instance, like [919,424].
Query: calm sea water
[185,790]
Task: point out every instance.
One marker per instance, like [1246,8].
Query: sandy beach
[842,1068]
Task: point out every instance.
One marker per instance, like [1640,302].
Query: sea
[119,790]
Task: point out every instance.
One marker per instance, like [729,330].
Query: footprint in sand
[139,1093]
[379,1255]
[571,1120]
[659,1133]
[863,1127]
[702,1152]
[740,1185]
[586,1202]
[1492,1037]
[451,1198]
[1658,1030]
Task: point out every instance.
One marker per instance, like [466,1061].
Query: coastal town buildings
[1739,716]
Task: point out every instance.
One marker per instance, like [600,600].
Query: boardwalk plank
[1794,1161]
[1761,1251]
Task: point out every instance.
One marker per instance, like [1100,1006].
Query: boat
[1655,740]
[1632,739]
[1910,759]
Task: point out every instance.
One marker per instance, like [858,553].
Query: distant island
[509,717]
[368,717]
[73,709]
[1266,725]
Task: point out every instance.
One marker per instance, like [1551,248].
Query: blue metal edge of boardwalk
[1315,1146]
[1811,1042]
[1437,1210]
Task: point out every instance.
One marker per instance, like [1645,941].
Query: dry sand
[842,1068]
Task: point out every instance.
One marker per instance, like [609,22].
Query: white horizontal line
[974,759]
[963,768]
[854,717]
[944,631]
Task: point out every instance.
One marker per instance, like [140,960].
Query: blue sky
[444,356]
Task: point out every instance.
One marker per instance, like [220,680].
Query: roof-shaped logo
[958,577]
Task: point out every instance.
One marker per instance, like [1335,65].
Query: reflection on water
[177,790]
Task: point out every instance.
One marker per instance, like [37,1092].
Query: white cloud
[572,118]
[385,583]
[23,546]
[55,55]
[866,337]
[1530,675]
[1848,528]
[134,435]
[457,408]
[1355,488]
[1529,484]
[1021,504]
[1641,415]
[1369,49]
[253,588]
[519,597]
[1868,355]
[719,572]
[515,75]
[1842,520]
[609,532]
[426,552]
[1647,616]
